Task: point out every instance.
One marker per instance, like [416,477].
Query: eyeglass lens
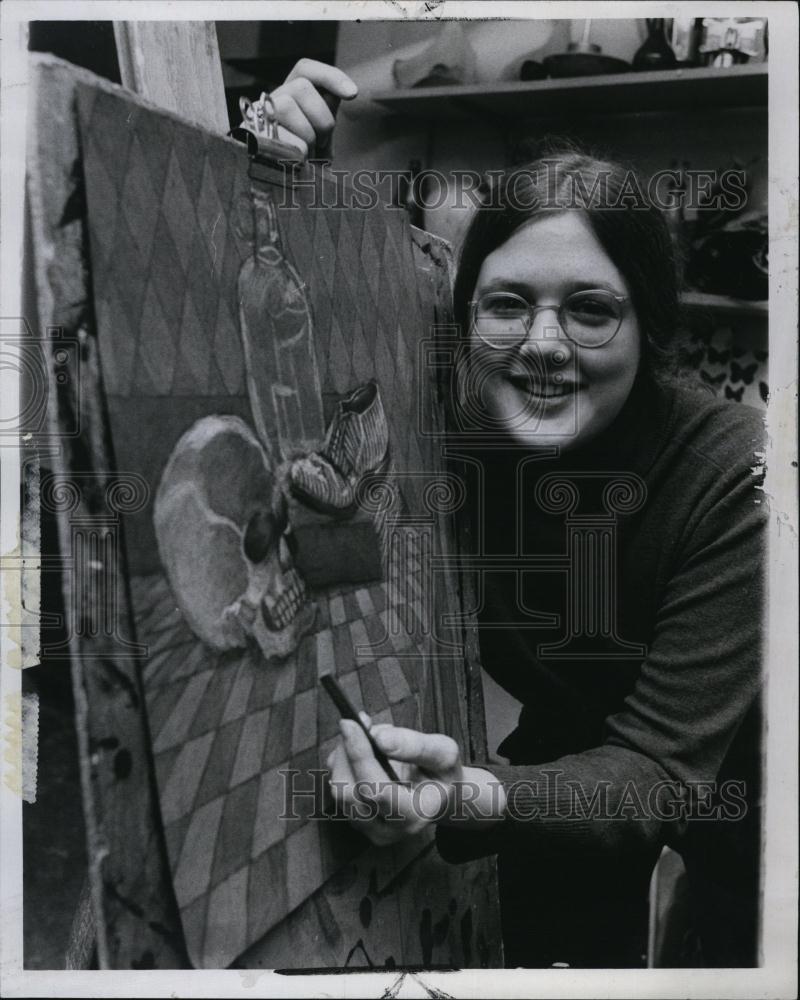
[589,318]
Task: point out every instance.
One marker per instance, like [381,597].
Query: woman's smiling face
[547,390]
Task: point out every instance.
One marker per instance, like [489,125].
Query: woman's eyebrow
[584,285]
[506,285]
[527,289]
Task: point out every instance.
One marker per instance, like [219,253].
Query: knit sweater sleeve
[698,679]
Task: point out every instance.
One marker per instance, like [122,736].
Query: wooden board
[164,261]
[136,918]
[617,93]
[176,65]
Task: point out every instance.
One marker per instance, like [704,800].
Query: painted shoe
[357,442]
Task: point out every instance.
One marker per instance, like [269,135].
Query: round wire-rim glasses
[589,318]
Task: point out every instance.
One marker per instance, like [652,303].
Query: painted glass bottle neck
[267,232]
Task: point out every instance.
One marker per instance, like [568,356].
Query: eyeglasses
[589,318]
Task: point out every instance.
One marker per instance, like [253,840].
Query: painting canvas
[262,365]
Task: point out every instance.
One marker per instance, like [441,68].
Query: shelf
[660,90]
[701,301]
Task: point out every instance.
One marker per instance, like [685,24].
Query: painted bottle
[283,381]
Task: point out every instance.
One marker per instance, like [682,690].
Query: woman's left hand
[429,768]
[304,118]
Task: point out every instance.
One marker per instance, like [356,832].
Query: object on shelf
[532,70]
[449,59]
[684,39]
[727,41]
[619,37]
[729,249]
[501,47]
[655,52]
[583,58]
[733,260]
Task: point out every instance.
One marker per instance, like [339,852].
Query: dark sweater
[638,731]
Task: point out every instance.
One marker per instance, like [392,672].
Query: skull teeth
[281,612]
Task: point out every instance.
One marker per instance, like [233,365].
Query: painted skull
[225,542]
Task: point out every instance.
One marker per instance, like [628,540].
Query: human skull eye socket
[260,535]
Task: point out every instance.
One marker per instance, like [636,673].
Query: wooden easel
[176,65]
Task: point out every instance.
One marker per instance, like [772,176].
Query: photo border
[778,975]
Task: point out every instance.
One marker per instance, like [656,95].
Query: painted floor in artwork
[225,728]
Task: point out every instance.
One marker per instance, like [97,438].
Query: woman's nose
[544,324]
[546,336]
[547,343]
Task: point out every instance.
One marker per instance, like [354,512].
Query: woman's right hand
[304,119]
[428,766]
[434,787]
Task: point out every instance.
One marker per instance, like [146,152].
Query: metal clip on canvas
[259,132]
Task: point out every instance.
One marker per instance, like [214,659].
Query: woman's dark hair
[630,228]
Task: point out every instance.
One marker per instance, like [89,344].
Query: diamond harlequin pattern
[166,255]
[229,730]
[168,239]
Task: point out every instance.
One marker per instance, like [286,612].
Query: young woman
[642,728]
